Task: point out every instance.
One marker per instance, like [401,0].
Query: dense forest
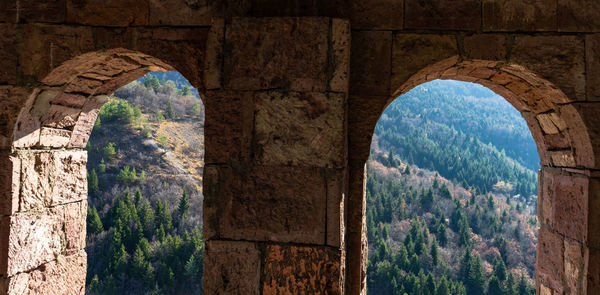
[448,210]
[144,215]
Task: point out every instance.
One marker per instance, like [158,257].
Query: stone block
[75,226]
[594,219]
[550,259]
[412,53]
[50,11]
[485,46]
[336,195]
[570,206]
[581,137]
[578,15]
[563,158]
[339,60]
[115,37]
[12,101]
[560,59]
[85,122]
[52,178]
[371,66]
[228,126]
[10,57]
[8,11]
[282,53]
[300,129]
[593,271]
[61,117]
[592,59]
[301,270]
[377,15]
[231,267]
[363,114]
[10,182]
[574,267]
[183,49]
[213,64]
[283,204]
[35,238]
[518,15]
[442,14]
[65,275]
[120,13]
[47,46]
[180,13]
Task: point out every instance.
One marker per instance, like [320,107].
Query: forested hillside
[145,198]
[450,196]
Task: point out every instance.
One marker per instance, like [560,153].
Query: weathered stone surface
[578,15]
[85,121]
[570,206]
[593,218]
[574,267]
[228,117]
[180,13]
[518,15]
[550,261]
[213,64]
[61,117]
[51,11]
[562,63]
[109,14]
[65,275]
[443,14]
[377,15]
[575,116]
[182,49]
[339,59]
[12,101]
[297,62]
[35,238]
[336,195]
[371,67]
[490,47]
[10,57]
[592,59]
[231,267]
[283,204]
[47,46]
[563,158]
[10,182]
[412,53]
[301,270]
[300,129]
[52,178]
[75,226]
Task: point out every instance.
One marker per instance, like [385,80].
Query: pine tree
[94,224]
[434,252]
[476,279]
[511,285]
[197,110]
[186,91]
[523,286]
[102,166]
[169,111]
[93,183]
[137,197]
[441,234]
[109,152]
[500,269]
[494,287]
[184,205]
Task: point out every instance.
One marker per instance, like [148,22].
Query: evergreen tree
[500,269]
[169,111]
[93,183]
[102,166]
[511,285]
[494,287]
[184,205]
[434,252]
[94,224]
[476,279]
[197,110]
[109,152]
[441,234]
[186,91]
[523,286]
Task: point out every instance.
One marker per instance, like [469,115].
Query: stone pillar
[43,211]
[276,167]
[568,255]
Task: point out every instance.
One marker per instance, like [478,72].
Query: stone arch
[563,132]
[43,170]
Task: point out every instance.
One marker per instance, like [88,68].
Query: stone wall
[291,104]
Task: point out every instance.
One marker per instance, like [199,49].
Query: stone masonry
[293,90]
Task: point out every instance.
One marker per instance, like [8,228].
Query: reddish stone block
[593,218]
[301,270]
[592,59]
[231,267]
[48,46]
[570,206]
[443,14]
[300,129]
[10,57]
[518,15]
[10,181]
[65,275]
[578,15]
[574,267]
[267,203]
[283,53]
[593,271]
[75,226]
[371,68]
[225,122]
[182,49]
[577,117]
[180,13]
[488,47]
[377,15]
[560,59]
[550,260]
[50,11]
[119,13]
[85,122]
[412,53]
[339,60]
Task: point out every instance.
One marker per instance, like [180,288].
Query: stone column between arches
[276,167]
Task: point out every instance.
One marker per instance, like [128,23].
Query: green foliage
[127,176]
[184,205]
[92,179]
[494,287]
[102,166]
[109,152]
[169,111]
[162,142]
[94,224]
[151,82]
[197,110]
[146,132]
[117,111]
[186,91]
